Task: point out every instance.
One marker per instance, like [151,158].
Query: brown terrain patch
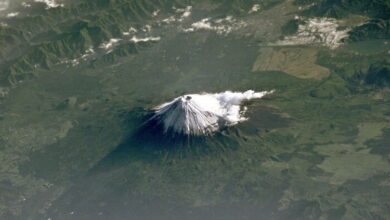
[298,62]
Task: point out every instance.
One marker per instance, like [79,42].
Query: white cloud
[4,5]
[3,92]
[130,31]
[110,44]
[147,28]
[12,14]
[183,14]
[26,4]
[50,3]
[155,13]
[186,12]
[169,20]
[322,31]
[220,26]
[145,39]
[74,62]
[255,8]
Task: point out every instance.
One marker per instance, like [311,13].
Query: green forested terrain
[77,82]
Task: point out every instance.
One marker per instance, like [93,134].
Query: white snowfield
[203,114]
